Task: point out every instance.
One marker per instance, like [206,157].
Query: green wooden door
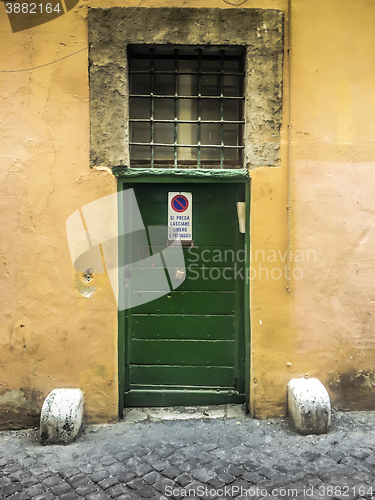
[187,347]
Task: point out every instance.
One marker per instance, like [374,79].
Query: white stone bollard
[62,416]
[309,406]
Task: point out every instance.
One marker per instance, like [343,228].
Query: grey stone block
[62,416]
[309,406]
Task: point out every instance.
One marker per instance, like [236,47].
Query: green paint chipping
[165,174]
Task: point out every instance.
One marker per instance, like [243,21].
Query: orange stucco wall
[52,335]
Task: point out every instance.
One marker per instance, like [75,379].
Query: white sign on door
[180,220]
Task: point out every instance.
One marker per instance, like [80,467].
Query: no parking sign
[180,223]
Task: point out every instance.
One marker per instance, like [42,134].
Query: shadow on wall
[19,412]
[353,391]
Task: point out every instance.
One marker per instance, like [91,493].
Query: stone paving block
[336,455]
[310,456]
[13,468]
[216,483]
[176,459]
[325,463]
[61,488]
[133,462]
[52,480]
[100,495]
[219,466]
[236,470]
[160,465]
[146,491]
[108,482]
[226,477]
[87,468]
[278,480]
[187,466]
[362,477]
[36,489]
[317,496]
[99,475]
[162,484]
[19,496]
[44,475]
[171,472]
[29,481]
[309,406]
[71,471]
[85,489]
[236,459]
[142,469]
[240,483]
[4,481]
[125,476]
[191,451]
[28,462]
[117,468]
[78,480]
[264,484]
[124,455]
[136,483]
[165,451]
[194,486]
[298,486]
[107,460]
[141,451]
[252,477]
[48,495]
[62,416]
[117,490]
[219,453]
[205,457]
[151,477]
[266,472]
[71,495]
[20,474]
[184,479]
[202,474]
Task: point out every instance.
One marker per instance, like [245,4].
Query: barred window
[186,106]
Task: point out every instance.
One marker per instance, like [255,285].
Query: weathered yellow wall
[323,327]
[52,336]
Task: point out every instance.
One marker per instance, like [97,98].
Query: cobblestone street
[218,458]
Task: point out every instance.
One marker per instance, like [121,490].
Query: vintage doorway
[188,347]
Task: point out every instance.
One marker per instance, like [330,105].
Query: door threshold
[180,413]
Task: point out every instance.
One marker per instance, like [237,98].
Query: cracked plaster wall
[53,336]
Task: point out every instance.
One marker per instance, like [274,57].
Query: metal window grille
[186,107]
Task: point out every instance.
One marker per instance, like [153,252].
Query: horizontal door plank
[189,327]
[223,255]
[186,303]
[197,279]
[200,376]
[183,352]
